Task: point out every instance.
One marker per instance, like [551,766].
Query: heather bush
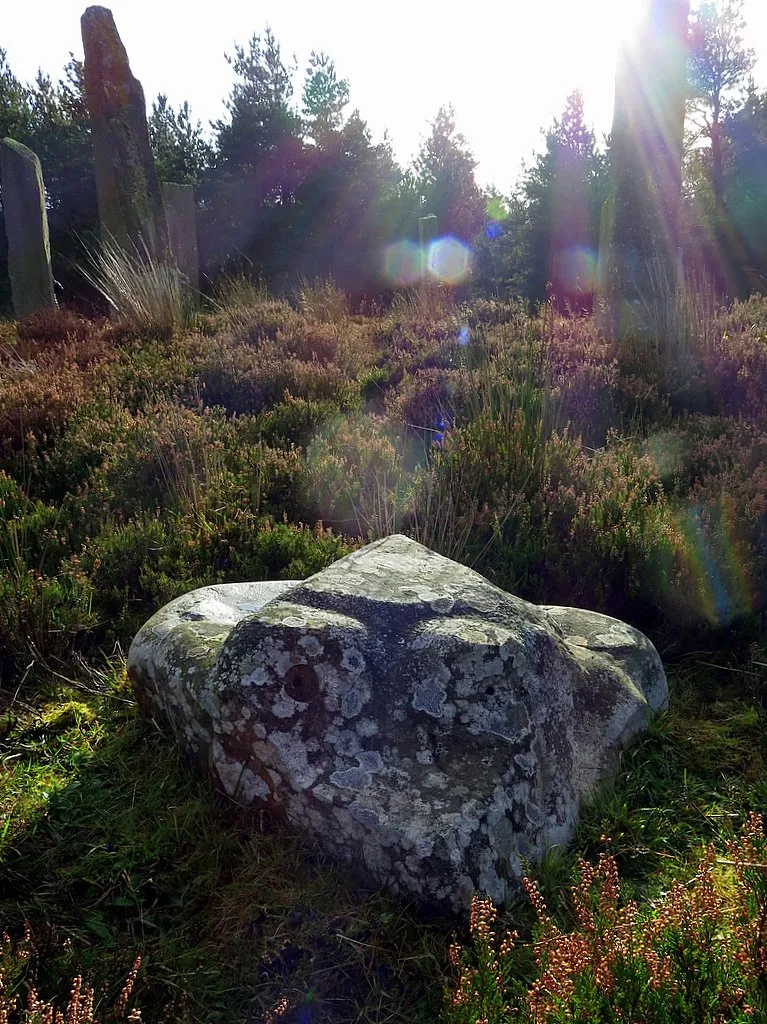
[257,320]
[586,401]
[312,342]
[676,319]
[583,373]
[32,533]
[44,608]
[356,475]
[375,385]
[701,447]
[96,431]
[612,539]
[244,380]
[492,312]
[295,421]
[9,336]
[322,301]
[148,372]
[164,458]
[430,304]
[715,472]
[698,955]
[35,405]
[721,369]
[477,498]
[43,619]
[349,346]
[54,326]
[749,315]
[421,329]
[176,458]
[736,375]
[136,567]
[425,399]
[408,351]
[20,1003]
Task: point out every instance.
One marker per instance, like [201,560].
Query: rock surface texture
[131,209]
[26,225]
[416,720]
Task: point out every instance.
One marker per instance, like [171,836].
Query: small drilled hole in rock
[490,691]
[301,683]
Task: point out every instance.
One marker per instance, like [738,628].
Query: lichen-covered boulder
[416,720]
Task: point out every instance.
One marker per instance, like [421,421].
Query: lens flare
[493,229]
[718,561]
[449,260]
[403,263]
[577,270]
[496,209]
[463,335]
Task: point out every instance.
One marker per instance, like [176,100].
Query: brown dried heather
[15,958]
[35,406]
[701,945]
[277,1012]
[736,371]
[127,988]
[249,380]
[53,326]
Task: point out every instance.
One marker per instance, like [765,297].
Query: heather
[265,440]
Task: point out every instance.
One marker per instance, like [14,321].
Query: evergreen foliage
[180,149]
[295,186]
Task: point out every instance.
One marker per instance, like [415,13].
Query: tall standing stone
[129,196]
[26,225]
[646,159]
[181,212]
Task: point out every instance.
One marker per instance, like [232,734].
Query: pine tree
[324,97]
[180,150]
[259,163]
[564,191]
[720,64]
[444,173]
[259,105]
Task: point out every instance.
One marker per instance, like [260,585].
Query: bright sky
[506,67]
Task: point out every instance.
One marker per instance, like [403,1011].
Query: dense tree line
[292,187]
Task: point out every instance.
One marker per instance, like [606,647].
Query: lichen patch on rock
[419,722]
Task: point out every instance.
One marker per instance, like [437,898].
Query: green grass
[144,294]
[116,844]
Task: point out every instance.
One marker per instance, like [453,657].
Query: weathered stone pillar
[130,201]
[646,160]
[181,212]
[26,225]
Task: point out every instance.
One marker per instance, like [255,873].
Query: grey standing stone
[130,200]
[26,225]
[181,212]
[417,721]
